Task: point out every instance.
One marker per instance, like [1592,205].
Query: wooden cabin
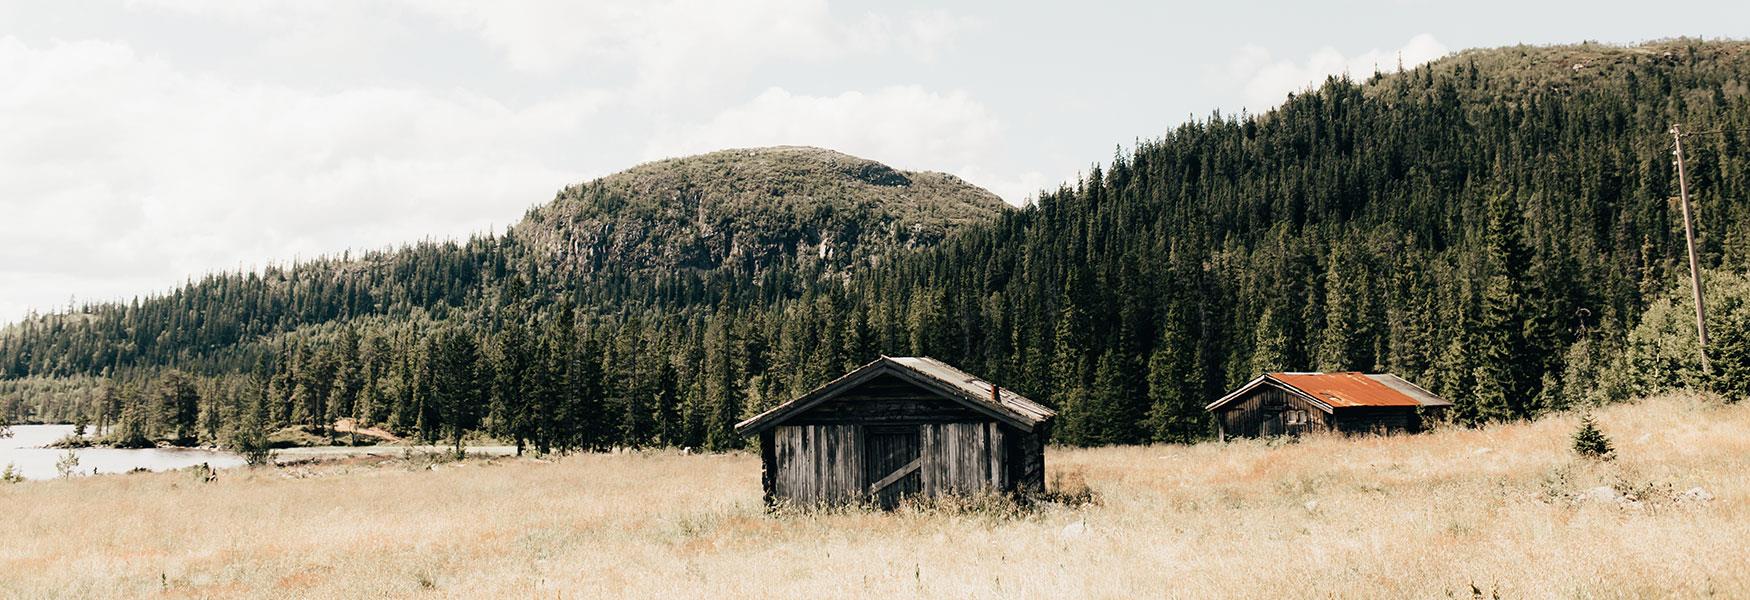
[1296,403]
[896,427]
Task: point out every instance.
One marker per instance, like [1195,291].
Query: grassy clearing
[1427,516]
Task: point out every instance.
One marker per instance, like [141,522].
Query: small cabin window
[1295,421]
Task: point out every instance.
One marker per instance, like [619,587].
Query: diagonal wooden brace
[895,476]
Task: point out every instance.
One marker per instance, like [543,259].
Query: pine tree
[1108,414]
[1175,382]
[1590,442]
[723,394]
[1069,378]
[178,406]
[1270,349]
[1504,361]
[586,404]
[456,389]
[1341,337]
[81,423]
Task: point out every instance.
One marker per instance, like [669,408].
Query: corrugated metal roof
[949,381]
[974,386]
[1348,389]
[1423,396]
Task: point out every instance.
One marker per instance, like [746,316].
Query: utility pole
[1689,236]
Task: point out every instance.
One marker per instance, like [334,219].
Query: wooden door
[1271,424]
[894,458]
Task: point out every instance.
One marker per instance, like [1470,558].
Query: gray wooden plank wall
[824,464]
[818,463]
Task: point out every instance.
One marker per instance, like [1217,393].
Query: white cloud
[672,46]
[906,126]
[904,121]
[1264,82]
[128,171]
[125,175]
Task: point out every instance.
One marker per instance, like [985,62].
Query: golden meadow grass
[1422,516]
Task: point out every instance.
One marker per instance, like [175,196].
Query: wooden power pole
[1689,236]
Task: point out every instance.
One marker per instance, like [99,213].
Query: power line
[1720,130]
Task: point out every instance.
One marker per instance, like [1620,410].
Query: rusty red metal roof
[1346,389]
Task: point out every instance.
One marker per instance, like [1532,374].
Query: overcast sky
[143,142]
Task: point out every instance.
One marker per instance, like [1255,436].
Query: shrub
[252,443]
[11,475]
[1070,487]
[72,441]
[1591,442]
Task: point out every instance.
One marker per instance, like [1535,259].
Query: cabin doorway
[1271,424]
[894,456]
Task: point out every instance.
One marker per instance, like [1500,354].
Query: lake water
[25,451]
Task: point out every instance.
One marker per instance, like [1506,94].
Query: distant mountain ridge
[750,208]
[661,232]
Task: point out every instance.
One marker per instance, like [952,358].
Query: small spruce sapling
[1591,442]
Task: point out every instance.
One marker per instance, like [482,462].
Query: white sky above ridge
[152,141]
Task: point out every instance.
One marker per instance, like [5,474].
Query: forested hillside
[1493,225]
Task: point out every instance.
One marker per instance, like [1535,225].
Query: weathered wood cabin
[896,427]
[1296,403]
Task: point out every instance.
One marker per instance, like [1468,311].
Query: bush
[11,475]
[72,441]
[1591,442]
[249,441]
[1070,487]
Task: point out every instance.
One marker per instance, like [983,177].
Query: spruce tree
[1342,335]
[1106,418]
[1590,442]
[1504,361]
[1174,383]
[456,389]
[1069,377]
[178,406]
[722,386]
[1270,348]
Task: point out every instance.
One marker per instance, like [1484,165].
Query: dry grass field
[1416,517]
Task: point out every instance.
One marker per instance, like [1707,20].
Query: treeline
[534,374]
[1493,226]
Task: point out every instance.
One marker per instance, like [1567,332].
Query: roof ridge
[948,380]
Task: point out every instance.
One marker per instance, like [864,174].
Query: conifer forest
[1498,226]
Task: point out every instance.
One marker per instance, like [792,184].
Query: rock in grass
[1073,530]
[1695,495]
[1603,494]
